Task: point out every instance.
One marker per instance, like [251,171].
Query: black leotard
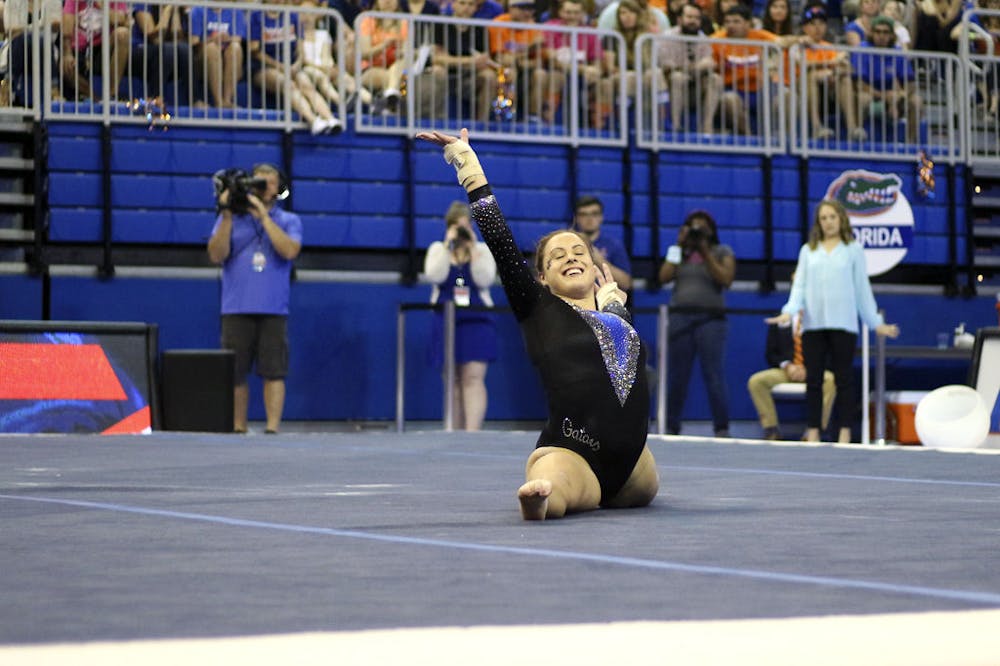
[591,364]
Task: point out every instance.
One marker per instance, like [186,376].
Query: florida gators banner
[880,215]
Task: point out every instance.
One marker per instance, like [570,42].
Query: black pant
[20,71]
[837,345]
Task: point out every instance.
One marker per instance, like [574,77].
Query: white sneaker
[392,97]
[318,126]
[333,126]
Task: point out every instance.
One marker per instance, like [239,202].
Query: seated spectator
[828,76]
[485,9]
[743,67]
[546,10]
[938,25]
[989,81]
[786,364]
[349,10]
[886,83]
[675,7]
[273,34]
[722,6]
[216,37]
[161,55]
[777,19]
[632,22]
[316,61]
[17,19]
[423,7]
[690,66]
[82,46]
[382,42]
[520,51]
[857,30]
[897,11]
[656,17]
[423,33]
[592,65]
[463,52]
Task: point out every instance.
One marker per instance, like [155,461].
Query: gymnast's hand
[442,139]
[459,154]
[606,289]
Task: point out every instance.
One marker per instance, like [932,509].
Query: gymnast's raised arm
[519,283]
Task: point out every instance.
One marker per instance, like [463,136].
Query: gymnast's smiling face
[568,267]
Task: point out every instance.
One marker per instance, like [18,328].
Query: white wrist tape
[608,293]
[460,155]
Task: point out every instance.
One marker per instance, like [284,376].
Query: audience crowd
[209,57]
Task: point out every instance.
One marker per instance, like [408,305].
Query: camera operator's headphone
[283,190]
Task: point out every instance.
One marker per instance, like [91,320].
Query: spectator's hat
[525,4]
[814,12]
[881,19]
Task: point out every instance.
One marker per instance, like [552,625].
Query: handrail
[448,307]
[948,142]
[662,313]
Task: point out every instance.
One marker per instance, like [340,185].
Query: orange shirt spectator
[379,31]
[513,41]
[740,64]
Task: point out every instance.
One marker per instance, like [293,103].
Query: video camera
[239,184]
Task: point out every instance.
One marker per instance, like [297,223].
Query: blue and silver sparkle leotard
[591,363]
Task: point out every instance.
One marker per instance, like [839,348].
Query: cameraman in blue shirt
[256,241]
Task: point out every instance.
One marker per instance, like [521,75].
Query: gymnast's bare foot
[534,498]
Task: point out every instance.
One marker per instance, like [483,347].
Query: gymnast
[592,451]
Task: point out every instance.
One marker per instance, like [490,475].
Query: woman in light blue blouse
[832,290]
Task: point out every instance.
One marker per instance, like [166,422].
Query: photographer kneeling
[255,241]
[701,268]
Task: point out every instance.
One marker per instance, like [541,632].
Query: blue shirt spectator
[881,70]
[273,30]
[208,23]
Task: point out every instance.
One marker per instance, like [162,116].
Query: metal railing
[551,94]
[982,78]
[662,313]
[151,65]
[537,82]
[887,103]
[827,100]
[728,107]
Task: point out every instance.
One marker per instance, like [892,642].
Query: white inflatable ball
[952,417]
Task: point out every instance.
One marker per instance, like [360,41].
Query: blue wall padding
[343,359]
[355,192]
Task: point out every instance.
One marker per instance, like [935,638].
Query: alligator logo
[864,193]
[881,217]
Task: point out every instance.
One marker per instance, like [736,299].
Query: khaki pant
[761,383]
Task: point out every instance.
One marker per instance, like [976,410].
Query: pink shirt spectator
[588,47]
[88,20]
